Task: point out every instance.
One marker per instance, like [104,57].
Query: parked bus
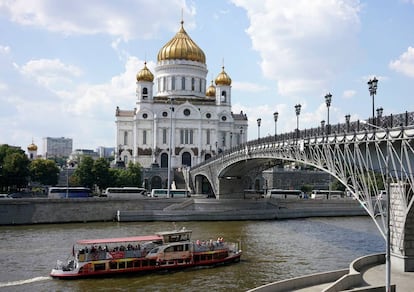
[284,194]
[69,192]
[125,192]
[163,193]
[326,194]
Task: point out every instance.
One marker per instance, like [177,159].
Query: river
[272,251]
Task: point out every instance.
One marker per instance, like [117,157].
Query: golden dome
[211,90]
[181,47]
[223,78]
[145,74]
[32,147]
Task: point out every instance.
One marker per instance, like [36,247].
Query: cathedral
[178,118]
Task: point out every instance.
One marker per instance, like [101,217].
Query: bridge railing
[391,121]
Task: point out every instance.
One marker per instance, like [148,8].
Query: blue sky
[66,65]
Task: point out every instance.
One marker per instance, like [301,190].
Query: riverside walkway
[364,274]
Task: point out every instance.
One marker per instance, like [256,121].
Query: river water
[272,251]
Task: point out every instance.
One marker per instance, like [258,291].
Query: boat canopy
[119,239]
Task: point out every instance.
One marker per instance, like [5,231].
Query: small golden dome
[181,47]
[32,147]
[145,74]
[223,78]
[211,90]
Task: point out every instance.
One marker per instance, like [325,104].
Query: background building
[57,147]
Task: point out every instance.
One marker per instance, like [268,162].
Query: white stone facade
[202,124]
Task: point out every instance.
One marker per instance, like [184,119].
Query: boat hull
[85,270]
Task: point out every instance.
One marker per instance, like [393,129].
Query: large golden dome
[181,47]
[223,78]
[211,90]
[32,147]
[145,74]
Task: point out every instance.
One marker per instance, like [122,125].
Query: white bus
[326,194]
[163,193]
[284,194]
[125,192]
[69,192]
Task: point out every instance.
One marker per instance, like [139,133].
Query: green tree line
[17,172]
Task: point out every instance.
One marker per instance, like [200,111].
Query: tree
[102,176]
[14,171]
[84,173]
[44,171]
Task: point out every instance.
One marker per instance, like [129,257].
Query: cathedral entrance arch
[207,156]
[186,159]
[164,160]
[156,182]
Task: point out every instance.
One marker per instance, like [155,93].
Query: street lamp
[328,100]
[347,119]
[275,116]
[323,126]
[388,210]
[170,148]
[380,110]
[297,111]
[372,87]
[259,121]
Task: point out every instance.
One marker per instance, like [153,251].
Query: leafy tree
[84,173]
[14,171]
[44,171]
[102,176]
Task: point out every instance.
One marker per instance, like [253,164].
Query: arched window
[192,84]
[173,83]
[164,160]
[223,96]
[144,93]
[183,83]
[186,159]
[201,86]
[125,138]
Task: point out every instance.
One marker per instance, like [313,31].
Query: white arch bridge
[361,156]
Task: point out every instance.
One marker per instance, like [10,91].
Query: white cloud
[4,50]
[302,43]
[99,17]
[405,63]
[248,87]
[349,93]
[52,74]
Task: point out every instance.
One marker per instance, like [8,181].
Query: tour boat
[168,250]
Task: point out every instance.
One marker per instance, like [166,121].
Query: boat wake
[22,282]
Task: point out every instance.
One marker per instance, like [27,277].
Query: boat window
[113,265]
[137,264]
[100,267]
[129,264]
[121,265]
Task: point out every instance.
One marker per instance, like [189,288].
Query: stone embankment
[44,211]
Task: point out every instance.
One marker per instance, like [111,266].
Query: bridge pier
[402,229]
[230,188]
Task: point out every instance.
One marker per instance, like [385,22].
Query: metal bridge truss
[361,161]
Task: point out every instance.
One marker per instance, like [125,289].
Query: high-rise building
[185,116]
[57,147]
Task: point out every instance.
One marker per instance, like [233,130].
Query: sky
[66,65]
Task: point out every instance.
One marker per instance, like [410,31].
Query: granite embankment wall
[35,211]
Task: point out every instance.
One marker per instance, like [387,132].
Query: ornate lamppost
[275,116]
[347,119]
[380,110]
[297,111]
[323,126]
[328,100]
[259,122]
[372,87]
